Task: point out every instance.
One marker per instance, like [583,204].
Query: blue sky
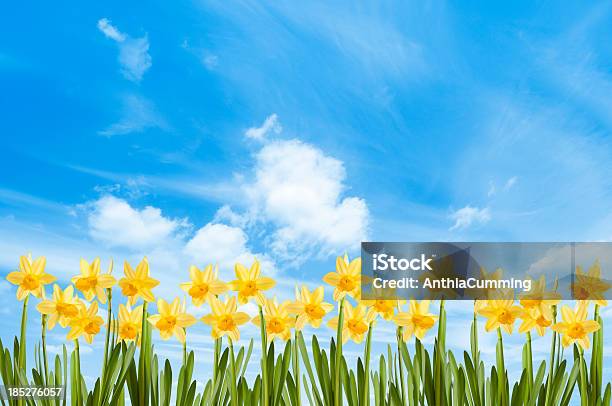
[204,131]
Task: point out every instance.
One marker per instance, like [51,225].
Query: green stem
[365,400]
[584,396]
[337,383]
[264,358]
[441,352]
[501,369]
[296,368]
[529,363]
[44,348]
[22,340]
[399,335]
[109,296]
[185,350]
[216,366]
[78,373]
[142,360]
[234,389]
[553,348]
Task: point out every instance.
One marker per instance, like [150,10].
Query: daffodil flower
[500,312]
[139,283]
[31,277]
[86,323]
[416,321]
[575,327]
[129,323]
[62,307]
[590,286]
[278,320]
[534,318]
[356,322]
[347,278]
[540,299]
[250,284]
[171,320]
[203,285]
[384,302]
[91,282]
[225,318]
[309,307]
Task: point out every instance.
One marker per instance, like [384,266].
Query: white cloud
[464,217]
[224,245]
[510,182]
[134,55]
[270,124]
[114,222]
[298,189]
[138,115]
[110,30]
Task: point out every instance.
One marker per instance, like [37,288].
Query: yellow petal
[265,283]
[15,277]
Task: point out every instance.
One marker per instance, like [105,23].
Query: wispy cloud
[134,55]
[271,124]
[469,215]
[138,115]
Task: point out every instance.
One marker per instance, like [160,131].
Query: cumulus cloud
[134,55]
[224,245]
[469,215]
[298,189]
[271,124]
[114,222]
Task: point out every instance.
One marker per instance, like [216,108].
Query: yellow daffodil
[347,278]
[62,307]
[534,318]
[250,284]
[225,319]
[309,307]
[590,286]
[278,320]
[356,322]
[31,277]
[137,284]
[86,323]
[203,285]
[501,312]
[171,320]
[575,326]
[91,282]
[540,299]
[417,320]
[129,323]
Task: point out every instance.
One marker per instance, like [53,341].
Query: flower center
[576,331]
[530,303]
[86,283]
[128,331]
[250,288]
[129,289]
[505,317]
[275,325]
[66,309]
[383,306]
[30,282]
[314,311]
[226,323]
[542,322]
[346,284]
[581,292]
[198,291]
[92,328]
[423,322]
[166,323]
[357,326]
